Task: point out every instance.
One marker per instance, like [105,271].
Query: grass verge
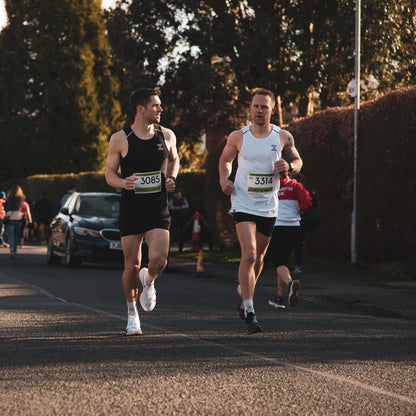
[384,272]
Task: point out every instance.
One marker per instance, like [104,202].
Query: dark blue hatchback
[86,229]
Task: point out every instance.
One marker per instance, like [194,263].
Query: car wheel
[70,259]
[51,257]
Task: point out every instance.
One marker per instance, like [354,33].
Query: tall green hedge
[55,185]
[386,192]
[191,183]
[217,203]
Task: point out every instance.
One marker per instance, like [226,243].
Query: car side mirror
[65,211]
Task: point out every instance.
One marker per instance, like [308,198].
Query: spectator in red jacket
[294,200]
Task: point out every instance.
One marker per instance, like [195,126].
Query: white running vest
[256,181]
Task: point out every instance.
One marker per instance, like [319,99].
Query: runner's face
[153,110]
[261,109]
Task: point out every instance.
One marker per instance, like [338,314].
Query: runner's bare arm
[225,165]
[173,159]
[289,154]
[115,150]
[29,214]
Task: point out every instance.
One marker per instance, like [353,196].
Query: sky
[3,18]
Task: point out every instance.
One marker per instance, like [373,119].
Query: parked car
[86,229]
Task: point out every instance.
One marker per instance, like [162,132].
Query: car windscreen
[105,206]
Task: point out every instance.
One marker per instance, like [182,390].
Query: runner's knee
[131,264]
[249,257]
[158,263]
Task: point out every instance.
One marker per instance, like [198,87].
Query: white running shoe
[148,295]
[277,302]
[294,287]
[133,325]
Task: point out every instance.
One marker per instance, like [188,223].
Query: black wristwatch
[173,178]
[290,167]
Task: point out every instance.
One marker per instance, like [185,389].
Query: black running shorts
[284,240]
[135,224]
[264,225]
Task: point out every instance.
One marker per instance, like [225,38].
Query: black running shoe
[252,325]
[293,297]
[277,302]
[240,310]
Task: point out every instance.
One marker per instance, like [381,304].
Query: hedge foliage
[218,204]
[55,186]
[386,192]
[191,183]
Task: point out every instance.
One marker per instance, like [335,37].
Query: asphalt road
[63,350]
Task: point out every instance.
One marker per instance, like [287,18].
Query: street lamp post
[354,239]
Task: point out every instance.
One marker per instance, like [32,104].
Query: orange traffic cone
[196,242]
[200,264]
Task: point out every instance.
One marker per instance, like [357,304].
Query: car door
[62,222]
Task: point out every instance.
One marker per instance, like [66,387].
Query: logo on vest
[160,146]
[274,147]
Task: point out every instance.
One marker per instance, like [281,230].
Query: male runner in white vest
[264,150]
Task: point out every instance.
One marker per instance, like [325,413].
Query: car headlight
[86,231]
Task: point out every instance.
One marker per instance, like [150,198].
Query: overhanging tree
[57,95]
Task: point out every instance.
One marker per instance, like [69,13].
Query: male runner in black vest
[147,155]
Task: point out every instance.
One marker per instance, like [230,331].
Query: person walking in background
[2,215]
[148,157]
[178,207]
[264,150]
[294,200]
[26,223]
[13,206]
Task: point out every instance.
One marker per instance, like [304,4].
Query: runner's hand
[170,185]
[227,186]
[129,182]
[281,166]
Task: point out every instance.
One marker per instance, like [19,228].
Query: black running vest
[144,156]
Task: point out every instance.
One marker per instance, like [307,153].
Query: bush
[386,194]
[55,186]
[217,203]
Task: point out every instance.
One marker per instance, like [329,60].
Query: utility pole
[354,226]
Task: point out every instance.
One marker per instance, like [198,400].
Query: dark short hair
[263,91]
[142,97]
